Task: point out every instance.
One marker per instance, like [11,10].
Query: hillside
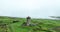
[42,25]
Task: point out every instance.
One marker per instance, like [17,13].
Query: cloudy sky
[33,8]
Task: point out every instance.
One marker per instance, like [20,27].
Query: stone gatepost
[28,21]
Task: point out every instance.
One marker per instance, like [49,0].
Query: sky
[32,8]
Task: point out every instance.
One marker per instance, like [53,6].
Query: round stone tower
[28,21]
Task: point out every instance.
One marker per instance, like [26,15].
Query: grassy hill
[40,25]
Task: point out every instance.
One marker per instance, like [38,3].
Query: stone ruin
[28,21]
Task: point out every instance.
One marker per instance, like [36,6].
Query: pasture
[37,25]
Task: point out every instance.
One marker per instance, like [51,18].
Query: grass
[43,25]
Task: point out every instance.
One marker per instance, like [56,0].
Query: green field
[38,25]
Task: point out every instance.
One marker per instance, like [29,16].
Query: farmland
[37,25]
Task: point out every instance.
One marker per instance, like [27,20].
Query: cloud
[33,8]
